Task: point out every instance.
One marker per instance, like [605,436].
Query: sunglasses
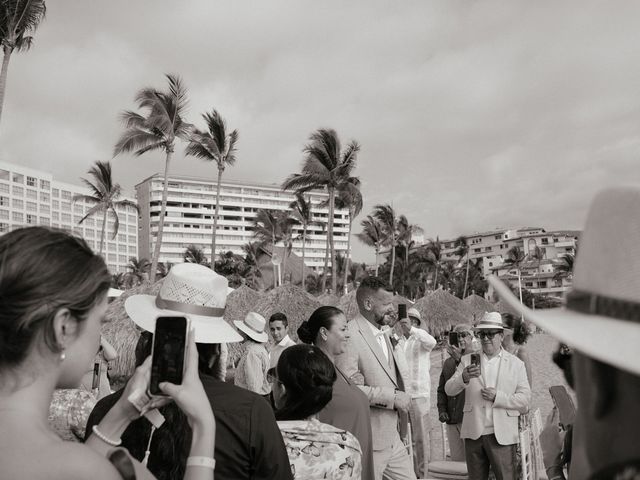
[490,335]
[464,334]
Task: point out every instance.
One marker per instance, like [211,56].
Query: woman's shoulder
[79,462]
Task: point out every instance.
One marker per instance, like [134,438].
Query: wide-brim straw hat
[253,325]
[414,313]
[490,321]
[601,316]
[192,291]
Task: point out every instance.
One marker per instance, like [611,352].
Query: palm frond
[98,207]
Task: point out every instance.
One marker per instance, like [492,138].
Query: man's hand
[454,352]
[405,325]
[357,378]
[444,417]
[469,372]
[402,401]
[489,393]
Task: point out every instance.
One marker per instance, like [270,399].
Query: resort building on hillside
[191,207]
[34,197]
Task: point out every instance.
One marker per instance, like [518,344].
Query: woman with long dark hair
[349,407]
[302,386]
[53,299]
[516,335]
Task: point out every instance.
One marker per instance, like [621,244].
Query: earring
[63,356]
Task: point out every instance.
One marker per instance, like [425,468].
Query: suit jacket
[513,397]
[365,359]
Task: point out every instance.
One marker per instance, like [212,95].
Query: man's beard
[382,319]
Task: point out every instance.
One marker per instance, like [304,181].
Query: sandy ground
[545,374]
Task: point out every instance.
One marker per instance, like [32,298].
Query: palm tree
[462,251]
[372,235]
[515,258]
[434,253]
[301,211]
[193,254]
[158,129]
[138,271]
[266,228]
[285,225]
[214,145]
[406,231]
[18,20]
[349,198]
[564,266]
[386,215]
[105,197]
[326,166]
[251,258]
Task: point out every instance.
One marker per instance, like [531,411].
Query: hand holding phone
[402,311]
[168,352]
[453,339]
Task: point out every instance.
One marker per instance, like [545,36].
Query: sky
[471,115]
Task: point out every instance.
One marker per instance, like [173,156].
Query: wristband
[206,462]
[105,439]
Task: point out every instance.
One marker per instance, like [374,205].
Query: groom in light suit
[496,393]
[370,361]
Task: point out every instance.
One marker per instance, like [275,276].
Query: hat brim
[143,311]
[606,339]
[258,337]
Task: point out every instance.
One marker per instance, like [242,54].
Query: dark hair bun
[304,333]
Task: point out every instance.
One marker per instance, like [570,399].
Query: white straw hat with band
[490,321]
[601,316]
[414,313]
[253,325]
[189,290]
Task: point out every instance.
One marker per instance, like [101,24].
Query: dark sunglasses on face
[490,335]
[464,334]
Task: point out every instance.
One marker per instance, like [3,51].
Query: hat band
[593,304]
[252,328]
[189,308]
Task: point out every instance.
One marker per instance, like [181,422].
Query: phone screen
[453,339]
[95,383]
[475,359]
[169,342]
[402,310]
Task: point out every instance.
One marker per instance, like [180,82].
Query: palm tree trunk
[304,242]
[435,279]
[519,285]
[285,248]
[345,289]
[393,260]
[466,279]
[3,74]
[104,224]
[323,282]
[163,209]
[215,221]
[377,253]
[406,267]
[334,271]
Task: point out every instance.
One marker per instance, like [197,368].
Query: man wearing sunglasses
[497,392]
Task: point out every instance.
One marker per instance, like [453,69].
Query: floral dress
[69,412]
[320,451]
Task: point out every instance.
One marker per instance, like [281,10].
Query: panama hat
[192,291]
[490,321]
[601,316]
[253,325]
[414,313]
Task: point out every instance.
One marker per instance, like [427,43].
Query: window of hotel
[122,238]
[31,219]
[17,203]
[77,208]
[131,229]
[477,250]
[4,188]
[77,218]
[17,217]
[55,192]
[44,221]
[55,216]
[542,284]
[89,233]
[544,241]
[66,206]
[487,249]
[122,258]
[112,247]
[66,195]
[45,184]
[17,178]
[132,251]
[4,227]
[528,284]
[66,217]
[112,258]
[44,197]
[18,191]
[89,222]
[32,182]
[55,204]
[4,214]
[4,201]
[32,206]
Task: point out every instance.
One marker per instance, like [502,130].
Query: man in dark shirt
[248,441]
[450,408]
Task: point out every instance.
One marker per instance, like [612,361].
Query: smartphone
[168,352]
[453,339]
[402,311]
[564,404]
[95,382]
[475,359]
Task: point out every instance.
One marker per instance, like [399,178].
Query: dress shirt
[417,351]
[251,372]
[490,370]
[378,333]
[277,350]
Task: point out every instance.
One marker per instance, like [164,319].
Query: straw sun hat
[192,291]
[601,317]
[490,321]
[253,325]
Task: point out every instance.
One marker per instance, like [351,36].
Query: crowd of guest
[352,400]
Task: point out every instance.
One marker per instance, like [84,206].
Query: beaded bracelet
[206,462]
[108,441]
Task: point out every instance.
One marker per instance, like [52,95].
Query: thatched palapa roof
[453,302]
[437,315]
[329,299]
[478,306]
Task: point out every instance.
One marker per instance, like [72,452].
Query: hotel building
[191,205]
[33,197]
